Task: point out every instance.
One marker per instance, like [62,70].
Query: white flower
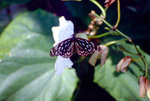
[62,63]
[64,31]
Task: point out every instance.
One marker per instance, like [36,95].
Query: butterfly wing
[85,47]
[64,48]
[53,51]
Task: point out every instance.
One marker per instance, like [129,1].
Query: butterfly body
[65,48]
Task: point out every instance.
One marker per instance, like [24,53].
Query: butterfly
[83,47]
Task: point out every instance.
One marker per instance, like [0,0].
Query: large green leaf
[26,27]
[27,73]
[122,86]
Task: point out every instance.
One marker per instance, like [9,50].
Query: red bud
[109,2]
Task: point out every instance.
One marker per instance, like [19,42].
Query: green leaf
[122,86]
[27,73]
[26,27]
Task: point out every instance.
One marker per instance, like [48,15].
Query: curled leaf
[142,89]
[123,64]
[148,88]
[94,58]
[104,54]
[109,2]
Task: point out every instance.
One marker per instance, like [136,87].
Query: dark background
[135,22]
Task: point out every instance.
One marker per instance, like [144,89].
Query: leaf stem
[130,40]
[99,6]
[114,42]
[122,34]
[136,60]
[119,13]
[99,36]
[143,59]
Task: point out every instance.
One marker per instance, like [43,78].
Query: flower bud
[92,14]
[109,2]
[123,64]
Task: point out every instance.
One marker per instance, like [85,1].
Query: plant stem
[99,6]
[123,49]
[122,34]
[114,42]
[118,12]
[130,40]
[99,36]
[143,59]
[136,60]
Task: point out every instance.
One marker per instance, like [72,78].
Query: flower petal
[64,31]
[62,63]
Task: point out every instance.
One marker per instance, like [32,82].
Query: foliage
[27,73]
[122,86]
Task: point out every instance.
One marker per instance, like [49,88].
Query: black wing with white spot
[64,48]
[85,47]
[53,51]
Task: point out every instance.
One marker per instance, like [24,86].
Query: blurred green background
[27,71]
